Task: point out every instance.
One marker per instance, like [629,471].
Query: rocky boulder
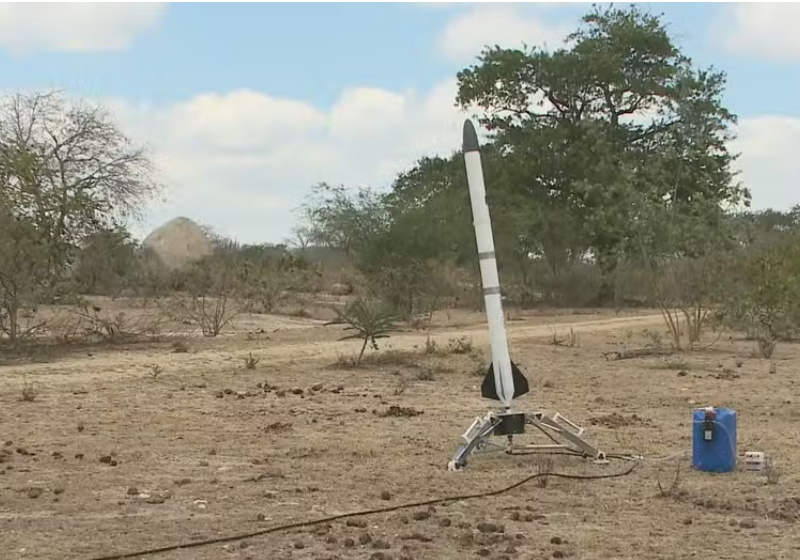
[177,244]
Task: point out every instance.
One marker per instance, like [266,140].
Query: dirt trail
[479,335]
[82,368]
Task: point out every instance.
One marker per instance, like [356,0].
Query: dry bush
[211,314]
[94,323]
[415,289]
[426,374]
[22,324]
[766,346]
[571,340]
[573,285]
[772,472]
[544,466]
[430,345]
[263,295]
[686,291]
[461,345]
[251,362]
[29,392]
[397,358]
[343,361]
[213,296]
[671,486]
[763,296]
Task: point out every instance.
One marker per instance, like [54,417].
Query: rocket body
[504,381]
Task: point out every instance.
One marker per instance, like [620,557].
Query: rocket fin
[489,390]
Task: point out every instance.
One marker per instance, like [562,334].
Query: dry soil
[106,459]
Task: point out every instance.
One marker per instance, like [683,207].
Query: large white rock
[177,244]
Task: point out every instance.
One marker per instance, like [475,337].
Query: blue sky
[247,105]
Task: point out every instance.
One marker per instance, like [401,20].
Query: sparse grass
[401,386]
[250,362]
[430,345]
[766,347]
[479,369]
[676,364]
[461,345]
[401,358]
[571,340]
[671,485]
[29,392]
[654,338]
[772,472]
[406,358]
[544,465]
[479,365]
[180,347]
[343,361]
[301,313]
[362,397]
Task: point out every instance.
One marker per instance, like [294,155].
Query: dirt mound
[177,243]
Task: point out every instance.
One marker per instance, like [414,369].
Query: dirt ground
[104,458]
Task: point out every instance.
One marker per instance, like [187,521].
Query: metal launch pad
[563,434]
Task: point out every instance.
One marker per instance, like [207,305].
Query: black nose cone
[470,137]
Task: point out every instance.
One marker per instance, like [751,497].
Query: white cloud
[240,161]
[77,27]
[490,24]
[769,162]
[761,29]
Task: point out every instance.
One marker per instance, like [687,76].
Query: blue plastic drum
[714,439]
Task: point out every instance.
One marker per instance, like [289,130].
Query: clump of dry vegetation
[250,362]
[29,392]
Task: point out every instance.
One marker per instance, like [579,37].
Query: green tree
[23,272]
[617,113]
[766,225]
[389,243]
[66,172]
[107,260]
[345,219]
[685,250]
[75,171]
[762,296]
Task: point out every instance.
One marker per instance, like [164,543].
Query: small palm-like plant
[371,321]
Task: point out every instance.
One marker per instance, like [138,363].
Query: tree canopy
[589,143]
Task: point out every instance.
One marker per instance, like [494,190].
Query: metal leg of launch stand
[564,434]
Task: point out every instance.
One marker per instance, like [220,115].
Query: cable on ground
[389,509]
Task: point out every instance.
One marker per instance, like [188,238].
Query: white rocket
[504,381]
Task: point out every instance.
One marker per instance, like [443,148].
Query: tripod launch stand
[562,433]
